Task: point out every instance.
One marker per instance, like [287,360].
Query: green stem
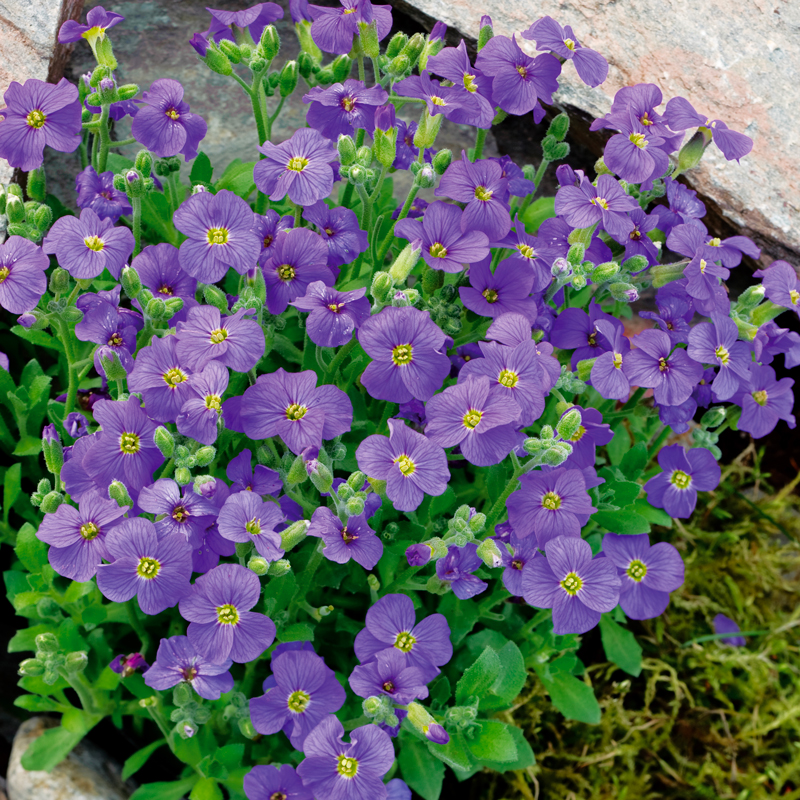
[389,238]
[72,372]
[306,578]
[105,138]
[660,439]
[347,197]
[480,140]
[136,203]
[136,624]
[537,179]
[168,468]
[634,399]
[83,690]
[341,355]
[500,503]
[298,214]
[275,116]
[366,207]
[362,75]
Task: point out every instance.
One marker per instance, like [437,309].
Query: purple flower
[577,587]
[220,235]
[438,99]
[273,783]
[640,101]
[637,242]
[125,449]
[411,465]
[406,348]
[457,567]
[647,573]
[671,374]
[267,229]
[480,421]
[98,193]
[389,674]
[444,244]
[675,312]
[610,371]
[680,115]
[339,228]
[260,481]
[86,246]
[235,341]
[188,514]
[683,207]
[550,504]
[524,550]
[764,401]
[726,625]
[177,661]
[255,18]
[685,472]
[333,315]
[507,290]
[406,152]
[98,21]
[299,11]
[637,154]
[222,625]
[781,284]
[582,206]
[591,434]
[78,535]
[333,29]
[104,325]
[75,424]
[299,257]
[157,570]
[305,692]
[345,540]
[39,114]
[343,108]
[529,252]
[161,378]
[200,414]
[22,277]
[127,665]
[159,269]
[592,68]
[292,406]
[245,517]
[300,167]
[338,771]
[717,344]
[520,81]
[391,627]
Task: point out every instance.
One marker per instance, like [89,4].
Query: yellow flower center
[639,140]
[4,273]
[551,501]
[636,570]
[115,340]
[253,527]
[602,202]
[129,443]
[703,265]
[722,354]
[437,101]
[94,243]
[438,250]
[578,435]
[508,379]
[347,767]
[36,118]
[760,397]
[173,377]
[469,82]
[570,44]
[348,537]
[402,354]
[219,335]
[297,164]
[295,411]
[715,242]
[213,402]
[571,584]
[482,193]
[526,251]
[227,614]
[794,295]
[680,479]
[148,568]
[217,235]
[180,514]
[336,307]
[645,119]
[405,641]
[522,71]
[405,465]
[286,272]
[90,531]
[348,103]
[663,366]
[173,114]
[472,418]
[617,360]
[490,295]
[165,289]
[298,701]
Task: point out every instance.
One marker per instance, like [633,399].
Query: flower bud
[370,44]
[398,66]
[47,644]
[396,44]
[486,32]
[477,522]
[441,161]
[385,146]
[127,91]
[37,186]
[32,667]
[624,292]
[297,471]
[547,432]
[426,178]
[287,82]
[258,564]
[52,449]
[418,555]
[575,254]
[636,263]
[231,50]
[662,274]
[345,492]
[143,162]
[584,369]
[714,417]
[766,312]
[270,42]
[338,452]
[15,209]
[748,299]
[382,283]
[691,153]
[117,491]
[43,218]
[553,150]
[205,455]
[373,583]
[183,476]
[556,455]
[321,477]
[279,568]
[559,127]
[119,183]
[489,553]
[561,268]
[76,662]
[354,506]
[216,60]
[340,67]
[364,156]
[569,424]
[50,502]
[106,360]
[372,706]
[532,445]
[294,534]
[356,480]
[604,272]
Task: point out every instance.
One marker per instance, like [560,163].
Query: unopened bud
[624,292]
[294,534]
[354,506]
[118,492]
[568,425]
[76,662]
[489,553]
[382,283]
[50,502]
[279,568]
[205,455]
[32,667]
[322,478]
[258,564]
[46,643]
[604,272]
[288,78]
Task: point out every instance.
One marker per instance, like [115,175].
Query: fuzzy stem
[480,140]
[389,238]
[105,138]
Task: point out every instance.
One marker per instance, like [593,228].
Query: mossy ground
[701,721]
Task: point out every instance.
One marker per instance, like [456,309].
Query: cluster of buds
[381,711]
[462,528]
[136,181]
[30,219]
[553,446]
[51,662]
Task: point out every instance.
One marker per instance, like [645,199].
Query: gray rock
[86,774]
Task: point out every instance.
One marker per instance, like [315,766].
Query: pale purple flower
[260,480]
[764,401]
[582,206]
[727,626]
[200,414]
[98,21]
[22,274]
[245,517]
[267,782]
[389,674]
[716,343]
[456,568]
[343,108]
[685,472]
[186,513]
[98,193]
[345,540]
[333,315]
[340,230]
[177,661]
[506,290]
[680,115]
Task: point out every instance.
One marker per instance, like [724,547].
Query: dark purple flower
[188,513]
[75,424]
[481,422]
[411,465]
[457,567]
[98,193]
[86,246]
[339,228]
[391,627]
[683,207]
[260,481]
[637,154]
[680,115]
[39,114]
[671,374]
[444,244]
[610,371]
[507,290]
[445,100]
[298,258]
[333,315]
[520,81]
[582,206]
[389,674]
[267,229]
[338,771]
[345,540]
[125,449]
[292,406]
[343,108]
[637,242]
[98,21]
[159,269]
[406,348]
[333,29]
[222,625]
[592,68]
[207,555]
[407,151]
[78,535]
[127,665]
[764,401]
[245,517]
[300,167]
[22,277]
[267,782]
[201,412]
[157,570]
[235,341]
[104,325]
[577,587]
[726,625]
[255,18]
[675,312]
[685,472]
[165,125]
[524,550]
[305,692]
[220,235]
[781,284]
[717,344]
[550,504]
[647,573]
[177,661]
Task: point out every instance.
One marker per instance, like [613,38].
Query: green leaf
[238,178]
[206,789]
[157,216]
[509,682]
[117,163]
[478,678]
[50,749]
[299,632]
[12,487]
[621,646]
[230,756]
[525,757]
[32,702]
[537,212]
[624,520]
[494,743]
[572,697]
[28,446]
[139,759]
[164,790]
[625,492]
[37,337]
[443,503]
[421,771]
[201,169]
[30,551]
[619,445]
[655,516]
[25,639]
[454,753]
[634,461]
[461,615]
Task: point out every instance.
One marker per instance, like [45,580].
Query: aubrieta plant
[330,471]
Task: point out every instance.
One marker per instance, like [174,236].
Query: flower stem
[341,355]
[136,203]
[500,503]
[144,638]
[480,140]
[389,238]
[105,138]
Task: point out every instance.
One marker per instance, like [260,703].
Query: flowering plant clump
[332,473]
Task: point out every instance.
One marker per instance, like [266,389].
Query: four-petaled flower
[685,472]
